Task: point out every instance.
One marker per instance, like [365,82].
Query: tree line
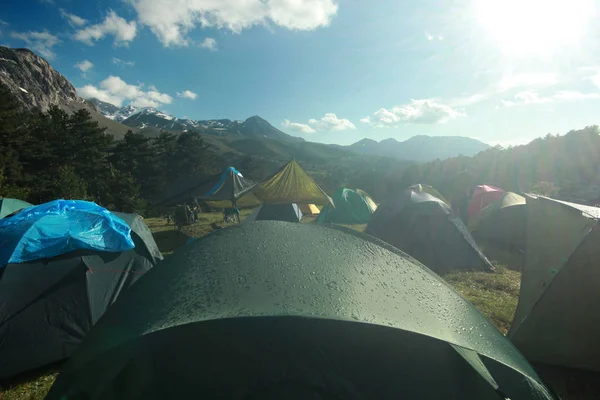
[566,167]
[44,156]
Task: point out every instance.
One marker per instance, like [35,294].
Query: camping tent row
[424,226]
[65,263]
[556,322]
[289,184]
[308,320]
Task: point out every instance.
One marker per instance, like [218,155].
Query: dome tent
[503,222]
[483,196]
[425,227]
[48,305]
[352,320]
[351,207]
[9,206]
[556,322]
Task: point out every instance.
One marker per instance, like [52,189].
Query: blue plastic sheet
[58,227]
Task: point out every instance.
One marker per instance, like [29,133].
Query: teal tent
[351,207]
[297,311]
[9,206]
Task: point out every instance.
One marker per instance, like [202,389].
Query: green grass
[494,294]
[31,388]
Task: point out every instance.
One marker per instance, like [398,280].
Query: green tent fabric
[291,184]
[351,207]
[557,321]
[503,222]
[9,206]
[425,227]
[297,311]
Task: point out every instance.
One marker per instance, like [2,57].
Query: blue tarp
[58,227]
[224,176]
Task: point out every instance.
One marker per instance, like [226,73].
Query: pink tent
[483,195]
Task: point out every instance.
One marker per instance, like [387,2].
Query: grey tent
[503,222]
[9,206]
[47,306]
[557,320]
[334,315]
[289,212]
[222,190]
[425,227]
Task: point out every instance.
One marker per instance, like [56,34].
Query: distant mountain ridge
[148,117]
[420,148]
[34,84]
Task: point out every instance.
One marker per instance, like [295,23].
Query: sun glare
[534,27]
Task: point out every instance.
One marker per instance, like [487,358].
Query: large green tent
[291,184]
[557,320]
[503,222]
[9,206]
[425,227]
[298,311]
[351,207]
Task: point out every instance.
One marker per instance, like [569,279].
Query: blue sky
[333,71]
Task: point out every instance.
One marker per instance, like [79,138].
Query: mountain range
[36,85]
[420,148]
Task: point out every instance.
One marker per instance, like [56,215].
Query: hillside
[35,85]
[420,148]
[567,167]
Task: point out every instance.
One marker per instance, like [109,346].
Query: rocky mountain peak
[34,83]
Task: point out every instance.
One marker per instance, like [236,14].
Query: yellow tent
[291,184]
[309,209]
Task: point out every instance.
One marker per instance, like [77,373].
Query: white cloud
[527,80]
[42,42]
[209,43]
[187,94]
[172,20]
[295,126]
[122,63]
[531,97]
[72,18]
[330,122]
[116,91]
[426,111]
[123,31]
[90,92]
[431,37]
[84,65]
[2,22]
